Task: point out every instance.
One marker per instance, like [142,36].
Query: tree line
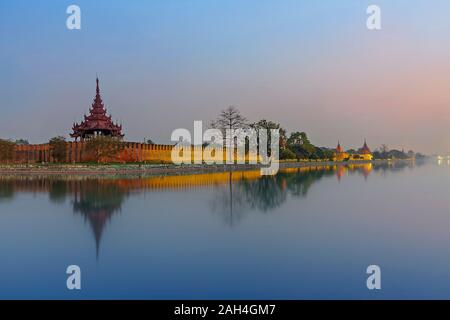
[295,146]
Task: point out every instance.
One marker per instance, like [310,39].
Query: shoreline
[163,169]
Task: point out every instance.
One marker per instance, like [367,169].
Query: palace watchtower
[97,123]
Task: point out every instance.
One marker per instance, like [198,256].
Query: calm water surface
[305,233]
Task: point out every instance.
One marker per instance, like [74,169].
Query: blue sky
[310,65]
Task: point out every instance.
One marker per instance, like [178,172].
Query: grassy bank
[154,168]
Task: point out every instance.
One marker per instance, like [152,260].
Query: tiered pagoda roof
[339,148]
[97,122]
[365,149]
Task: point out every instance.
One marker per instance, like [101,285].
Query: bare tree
[230,118]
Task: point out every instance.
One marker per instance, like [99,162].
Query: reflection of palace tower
[340,171]
[236,194]
[362,168]
[97,201]
[366,169]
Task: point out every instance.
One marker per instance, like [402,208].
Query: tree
[420,156]
[397,154]
[297,139]
[231,119]
[287,154]
[103,147]
[384,151]
[268,125]
[22,142]
[324,153]
[299,143]
[150,141]
[7,150]
[376,154]
[58,148]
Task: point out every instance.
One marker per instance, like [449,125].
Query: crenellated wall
[77,153]
[32,153]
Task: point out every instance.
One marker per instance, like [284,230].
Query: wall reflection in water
[98,199]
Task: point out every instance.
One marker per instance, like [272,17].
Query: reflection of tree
[267,193]
[270,192]
[58,191]
[6,190]
[229,201]
[264,194]
[299,183]
[396,166]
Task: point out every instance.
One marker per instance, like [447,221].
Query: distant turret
[365,149]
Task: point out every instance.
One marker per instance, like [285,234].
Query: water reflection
[98,199]
[265,193]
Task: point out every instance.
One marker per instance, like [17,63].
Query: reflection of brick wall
[76,153]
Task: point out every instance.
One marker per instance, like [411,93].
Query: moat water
[304,233]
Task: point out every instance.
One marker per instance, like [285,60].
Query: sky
[311,66]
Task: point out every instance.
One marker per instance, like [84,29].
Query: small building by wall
[363,154]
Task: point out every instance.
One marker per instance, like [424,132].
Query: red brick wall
[132,152]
